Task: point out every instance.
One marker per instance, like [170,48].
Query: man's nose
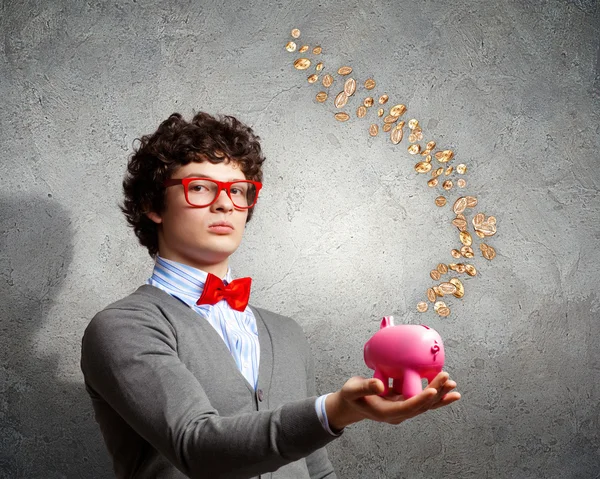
[223,201]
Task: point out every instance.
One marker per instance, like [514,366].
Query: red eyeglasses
[201,192]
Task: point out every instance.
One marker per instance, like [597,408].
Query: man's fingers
[357,387]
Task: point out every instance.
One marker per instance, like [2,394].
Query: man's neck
[218,269]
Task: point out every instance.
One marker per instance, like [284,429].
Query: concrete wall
[345,231]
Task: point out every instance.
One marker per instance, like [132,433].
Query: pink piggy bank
[406,353]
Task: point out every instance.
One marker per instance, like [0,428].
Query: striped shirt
[237,329]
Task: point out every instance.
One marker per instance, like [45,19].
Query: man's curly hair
[175,143]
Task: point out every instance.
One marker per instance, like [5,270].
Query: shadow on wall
[47,427]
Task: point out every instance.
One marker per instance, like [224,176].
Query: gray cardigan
[171,402]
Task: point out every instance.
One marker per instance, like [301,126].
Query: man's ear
[155,217]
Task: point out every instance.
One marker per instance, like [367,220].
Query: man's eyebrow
[198,175]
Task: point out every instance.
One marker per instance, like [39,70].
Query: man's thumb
[359,387]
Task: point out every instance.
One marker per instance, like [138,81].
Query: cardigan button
[260,394]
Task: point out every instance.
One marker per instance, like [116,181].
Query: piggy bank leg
[397,385]
[411,386]
[384,379]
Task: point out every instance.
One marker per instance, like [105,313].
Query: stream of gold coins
[343,87]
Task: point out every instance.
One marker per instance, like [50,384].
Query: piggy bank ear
[386,321]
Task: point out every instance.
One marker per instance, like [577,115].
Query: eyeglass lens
[204,192]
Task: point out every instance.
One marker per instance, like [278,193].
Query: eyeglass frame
[221,185]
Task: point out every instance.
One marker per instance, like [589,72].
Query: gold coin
[428,158]
[295,33]
[327,80]
[460,268]
[438,305]
[313,78]
[447,185]
[442,268]
[461,169]
[412,138]
[460,205]
[466,238]
[480,234]
[478,220]
[317,50]
[431,296]
[435,274]
[361,111]
[452,266]
[350,86]
[380,112]
[444,312]
[387,127]
[491,220]
[449,170]
[390,119]
[430,145]
[415,149]
[471,201]
[432,183]
[460,224]
[341,99]
[437,291]
[448,288]
[290,46]
[467,252]
[444,156]
[303,49]
[422,307]
[461,216]
[455,253]
[487,229]
[470,270]
[418,133]
[319,66]
[398,110]
[412,124]
[341,116]
[368,102]
[440,200]
[373,130]
[321,97]
[437,172]
[489,252]
[461,183]
[383,99]
[301,63]
[423,167]
[344,71]
[397,134]
[460,289]
[369,84]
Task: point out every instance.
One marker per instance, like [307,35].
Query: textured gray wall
[345,231]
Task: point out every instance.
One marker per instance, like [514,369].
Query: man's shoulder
[278,321]
[144,298]
[146,301]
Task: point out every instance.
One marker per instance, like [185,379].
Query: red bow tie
[235,293]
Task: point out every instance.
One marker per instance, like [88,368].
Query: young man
[185,378]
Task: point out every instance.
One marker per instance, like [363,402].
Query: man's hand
[358,399]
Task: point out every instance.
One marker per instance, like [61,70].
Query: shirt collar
[182,278]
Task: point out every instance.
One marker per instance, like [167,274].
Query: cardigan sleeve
[318,463]
[129,358]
